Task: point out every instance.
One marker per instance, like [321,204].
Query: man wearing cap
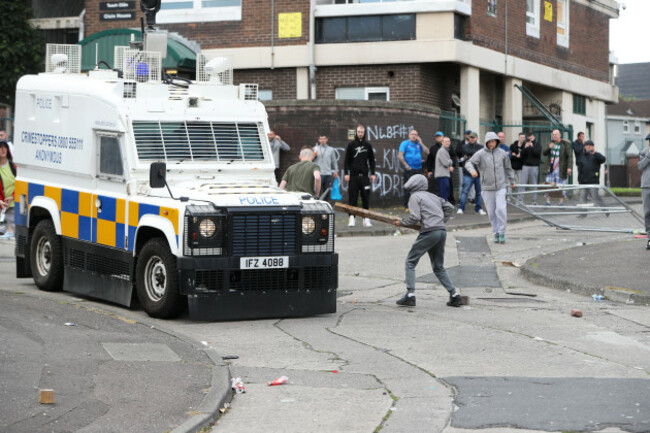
[589,162]
[431,162]
[466,152]
[644,166]
[7,182]
[410,156]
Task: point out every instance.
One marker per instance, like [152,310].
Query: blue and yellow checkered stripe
[81,220]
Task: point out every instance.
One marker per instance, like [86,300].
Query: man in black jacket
[530,158]
[431,162]
[359,160]
[589,162]
[515,155]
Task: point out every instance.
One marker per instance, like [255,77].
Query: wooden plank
[373,215]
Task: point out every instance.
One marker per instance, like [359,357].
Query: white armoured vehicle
[132,182]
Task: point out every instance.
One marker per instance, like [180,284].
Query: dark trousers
[407,175]
[451,198]
[277,176]
[443,187]
[325,182]
[359,184]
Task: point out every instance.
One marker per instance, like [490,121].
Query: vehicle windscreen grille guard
[198,141]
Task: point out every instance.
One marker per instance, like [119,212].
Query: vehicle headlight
[207,228]
[308,225]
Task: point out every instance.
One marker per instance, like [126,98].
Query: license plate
[264,262]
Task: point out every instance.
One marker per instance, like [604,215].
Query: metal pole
[272,34]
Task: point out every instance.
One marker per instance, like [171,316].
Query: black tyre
[157,281]
[46,257]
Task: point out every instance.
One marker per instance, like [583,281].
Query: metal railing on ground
[577,207]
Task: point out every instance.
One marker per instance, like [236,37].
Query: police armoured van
[131,182]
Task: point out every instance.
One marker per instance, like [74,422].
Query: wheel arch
[153,226]
[43,208]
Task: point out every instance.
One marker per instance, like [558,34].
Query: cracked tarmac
[374,366]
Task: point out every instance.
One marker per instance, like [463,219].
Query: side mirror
[157,175]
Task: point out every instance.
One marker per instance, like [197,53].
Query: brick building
[459,57]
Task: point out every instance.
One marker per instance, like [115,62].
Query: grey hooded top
[443,162]
[494,166]
[425,208]
[644,166]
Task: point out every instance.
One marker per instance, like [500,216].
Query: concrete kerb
[220,391]
[544,279]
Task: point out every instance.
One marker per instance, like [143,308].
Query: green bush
[626,192]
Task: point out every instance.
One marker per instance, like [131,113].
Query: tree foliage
[21,47]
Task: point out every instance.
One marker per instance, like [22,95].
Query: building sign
[117,16]
[290,25]
[548,11]
[116,6]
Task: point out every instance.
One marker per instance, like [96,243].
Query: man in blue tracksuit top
[410,156]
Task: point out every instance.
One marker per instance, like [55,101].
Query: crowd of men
[485,171]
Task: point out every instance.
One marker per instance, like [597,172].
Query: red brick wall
[281,81]
[253,30]
[588,51]
[434,83]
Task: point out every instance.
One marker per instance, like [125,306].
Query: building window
[265,95]
[637,127]
[187,11]
[562,13]
[626,127]
[579,105]
[492,8]
[364,93]
[365,28]
[532,18]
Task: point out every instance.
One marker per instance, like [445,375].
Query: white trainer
[351,222]
[459,211]
[481,212]
[366,222]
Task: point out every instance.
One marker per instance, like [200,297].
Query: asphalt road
[514,360]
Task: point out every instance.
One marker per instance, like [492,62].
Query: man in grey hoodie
[431,212]
[494,165]
[644,166]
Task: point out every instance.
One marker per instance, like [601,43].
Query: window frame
[366,90]
[492,4]
[579,104]
[563,40]
[637,127]
[198,13]
[110,176]
[532,29]
[626,127]
[384,28]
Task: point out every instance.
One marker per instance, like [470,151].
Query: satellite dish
[455,99]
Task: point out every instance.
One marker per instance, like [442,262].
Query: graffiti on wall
[385,140]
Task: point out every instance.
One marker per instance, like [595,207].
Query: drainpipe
[272,34]
[506,41]
[82,26]
[312,66]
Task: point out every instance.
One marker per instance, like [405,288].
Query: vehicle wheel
[157,281]
[46,257]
